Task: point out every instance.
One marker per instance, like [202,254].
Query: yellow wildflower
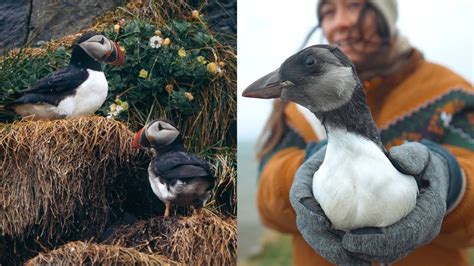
[124,106]
[113,107]
[158,32]
[201,60]
[116,28]
[143,74]
[195,14]
[169,88]
[182,52]
[166,42]
[212,68]
[221,64]
[189,96]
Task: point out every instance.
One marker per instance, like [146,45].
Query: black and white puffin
[176,176]
[357,185]
[77,90]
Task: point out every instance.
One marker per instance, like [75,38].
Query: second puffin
[176,176]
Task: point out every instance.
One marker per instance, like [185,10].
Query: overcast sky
[269,31]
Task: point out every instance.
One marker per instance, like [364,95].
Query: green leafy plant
[165,74]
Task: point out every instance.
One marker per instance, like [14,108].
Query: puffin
[176,176]
[357,185]
[77,90]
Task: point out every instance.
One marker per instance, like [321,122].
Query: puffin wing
[181,165]
[62,80]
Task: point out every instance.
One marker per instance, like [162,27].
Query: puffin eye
[309,61]
[102,40]
[159,126]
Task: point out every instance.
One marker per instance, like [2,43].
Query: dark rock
[52,19]
[14,16]
[222,17]
[28,22]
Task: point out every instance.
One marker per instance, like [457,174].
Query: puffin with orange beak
[176,176]
[77,90]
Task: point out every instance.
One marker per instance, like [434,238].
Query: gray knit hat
[388,9]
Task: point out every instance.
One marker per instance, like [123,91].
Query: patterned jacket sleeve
[458,226]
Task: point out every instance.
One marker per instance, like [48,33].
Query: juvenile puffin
[357,185]
[77,90]
[176,176]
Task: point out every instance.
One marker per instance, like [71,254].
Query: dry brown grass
[62,180]
[81,253]
[56,175]
[201,239]
[224,195]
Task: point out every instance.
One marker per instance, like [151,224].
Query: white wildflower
[155,42]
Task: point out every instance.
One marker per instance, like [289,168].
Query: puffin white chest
[357,186]
[89,96]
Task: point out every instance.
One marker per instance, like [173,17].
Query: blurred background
[271,31]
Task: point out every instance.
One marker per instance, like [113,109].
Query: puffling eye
[102,40]
[309,61]
[159,126]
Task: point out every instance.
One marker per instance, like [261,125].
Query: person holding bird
[423,148]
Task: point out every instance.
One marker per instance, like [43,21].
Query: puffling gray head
[320,77]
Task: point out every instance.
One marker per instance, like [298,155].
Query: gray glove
[311,221]
[437,167]
[391,243]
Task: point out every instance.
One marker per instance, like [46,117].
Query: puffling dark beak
[117,56]
[267,87]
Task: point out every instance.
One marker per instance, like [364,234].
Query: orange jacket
[416,103]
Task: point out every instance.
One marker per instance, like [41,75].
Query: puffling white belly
[357,186]
[89,96]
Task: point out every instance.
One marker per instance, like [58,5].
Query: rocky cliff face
[222,15]
[27,22]
[14,20]
[31,22]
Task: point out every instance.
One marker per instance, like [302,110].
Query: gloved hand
[391,243]
[311,221]
[435,165]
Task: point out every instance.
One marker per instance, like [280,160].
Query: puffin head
[98,47]
[156,134]
[320,78]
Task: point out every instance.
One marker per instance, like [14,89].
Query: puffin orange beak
[117,56]
[136,140]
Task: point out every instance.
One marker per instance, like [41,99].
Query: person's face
[339,24]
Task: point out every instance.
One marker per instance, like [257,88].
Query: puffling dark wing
[181,164]
[64,79]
